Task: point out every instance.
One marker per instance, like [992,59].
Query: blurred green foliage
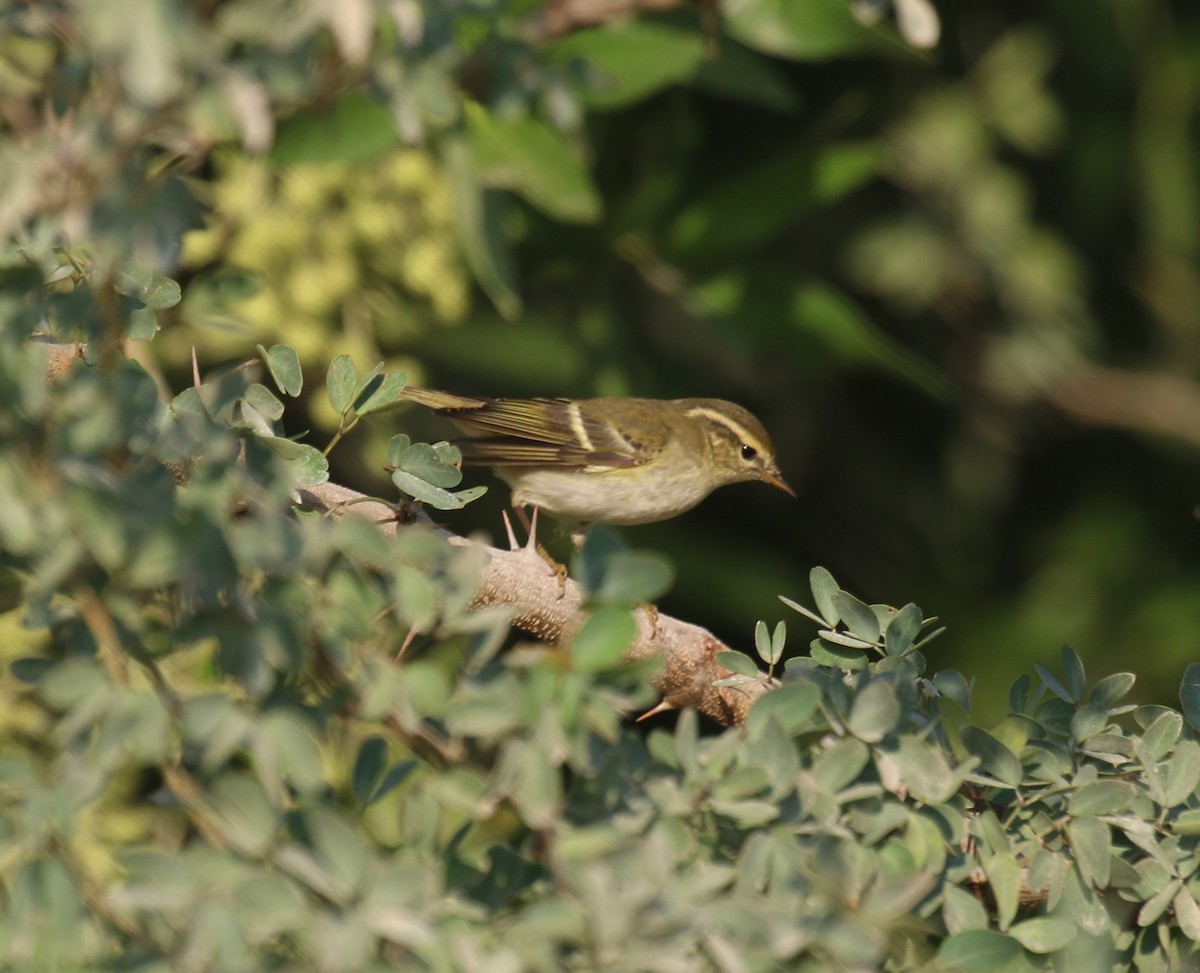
[958,283]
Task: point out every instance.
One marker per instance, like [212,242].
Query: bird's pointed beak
[774,477]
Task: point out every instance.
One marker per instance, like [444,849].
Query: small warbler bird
[613,460]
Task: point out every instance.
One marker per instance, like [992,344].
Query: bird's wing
[524,452]
[531,432]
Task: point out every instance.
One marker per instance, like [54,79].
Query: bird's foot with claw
[530,525]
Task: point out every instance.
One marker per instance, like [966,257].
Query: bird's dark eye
[748,452]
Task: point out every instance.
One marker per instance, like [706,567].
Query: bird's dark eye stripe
[748,451]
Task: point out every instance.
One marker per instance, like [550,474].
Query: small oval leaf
[823,588]
[862,622]
[284,366]
[340,381]
[1102,797]
[1189,694]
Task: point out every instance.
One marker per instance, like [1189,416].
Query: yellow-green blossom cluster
[336,248]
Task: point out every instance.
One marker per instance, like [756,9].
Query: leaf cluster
[216,760]
[211,757]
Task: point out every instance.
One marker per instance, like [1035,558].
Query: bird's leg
[530,525]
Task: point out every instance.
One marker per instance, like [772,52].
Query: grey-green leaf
[840,764]
[1112,688]
[602,640]
[874,712]
[1052,683]
[381,394]
[925,770]
[264,401]
[634,576]
[954,685]
[1154,907]
[792,704]
[1073,670]
[162,293]
[340,382]
[1087,721]
[1004,876]
[143,325]
[242,812]
[823,588]
[1162,734]
[1189,694]
[368,767]
[307,465]
[284,365]
[995,758]
[1183,773]
[1187,914]
[397,447]
[903,629]
[736,662]
[978,951]
[436,497]
[1091,845]
[338,847]
[807,613]
[1102,797]
[762,640]
[1043,934]
[836,655]
[861,621]
[769,645]
[961,910]
[422,461]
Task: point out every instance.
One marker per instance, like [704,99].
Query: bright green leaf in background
[480,212]
[531,158]
[354,129]
[732,216]
[803,30]
[632,59]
